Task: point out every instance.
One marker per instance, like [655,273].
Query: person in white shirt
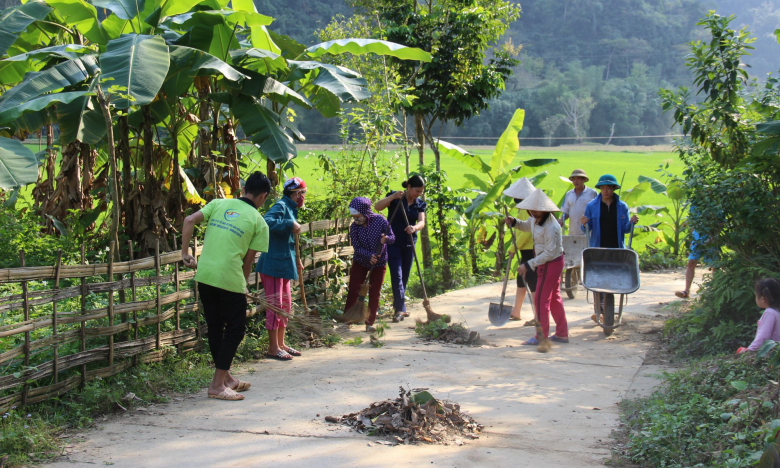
[548,264]
[575,200]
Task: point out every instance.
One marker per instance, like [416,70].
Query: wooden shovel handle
[300,273]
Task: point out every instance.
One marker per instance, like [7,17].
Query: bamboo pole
[132,298]
[55,361]
[157,288]
[111,248]
[83,328]
[195,286]
[26,306]
[176,282]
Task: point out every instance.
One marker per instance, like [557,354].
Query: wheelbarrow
[607,272]
[572,250]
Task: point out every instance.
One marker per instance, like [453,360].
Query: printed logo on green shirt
[231,215]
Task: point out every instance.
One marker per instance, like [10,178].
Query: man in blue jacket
[607,216]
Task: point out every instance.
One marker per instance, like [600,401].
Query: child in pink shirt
[768,298]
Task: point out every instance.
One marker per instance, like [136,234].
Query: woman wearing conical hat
[548,263]
[524,241]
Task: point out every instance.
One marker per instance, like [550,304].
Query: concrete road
[552,410]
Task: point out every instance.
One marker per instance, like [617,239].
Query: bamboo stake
[55,362]
[132,298]
[83,334]
[157,271]
[195,285]
[111,248]
[176,281]
[25,300]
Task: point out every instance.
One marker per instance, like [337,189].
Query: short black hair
[413,182]
[518,200]
[769,289]
[257,184]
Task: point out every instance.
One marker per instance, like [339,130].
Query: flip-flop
[242,386]
[530,342]
[227,394]
[559,339]
[514,319]
[292,351]
[682,294]
[281,355]
[530,323]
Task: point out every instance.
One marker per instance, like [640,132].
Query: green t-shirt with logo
[234,227]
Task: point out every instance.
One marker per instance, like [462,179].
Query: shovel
[498,314]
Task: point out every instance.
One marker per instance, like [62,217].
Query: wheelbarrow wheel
[571,281]
[608,312]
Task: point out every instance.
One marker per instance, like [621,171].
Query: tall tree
[466,71]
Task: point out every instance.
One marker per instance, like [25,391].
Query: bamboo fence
[111,316]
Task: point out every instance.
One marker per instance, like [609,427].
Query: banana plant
[158,89]
[488,181]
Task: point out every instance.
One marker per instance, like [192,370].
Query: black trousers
[225,313]
[530,275]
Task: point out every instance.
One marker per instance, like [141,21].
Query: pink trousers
[548,298]
[277,294]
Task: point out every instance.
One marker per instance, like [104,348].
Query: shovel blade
[498,314]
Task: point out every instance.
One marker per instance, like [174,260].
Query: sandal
[682,294]
[292,351]
[280,355]
[398,317]
[559,339]
[227,394]
[242,386]
[514,319]
[530,323]
[530,342]
[370,329]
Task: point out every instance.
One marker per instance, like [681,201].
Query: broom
[431,315]
[307,322]
[358,312]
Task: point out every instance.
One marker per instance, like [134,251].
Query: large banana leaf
[15,20]
[18,165]
[499,185]
[137,63]
[67,51]
[259,60]
[508,145]
[33,121]
[476,182]
[62,75]
[263,127]
[259,86]
[532,165]
[261,39]
[289,46]
[218,40]
[187,63]
[186,21]
[631,196]
[469,159]
[345,84]
[366,46]
[39,103]
[123,9]
[655,185]
[82,16]
[327,103]
[81,120]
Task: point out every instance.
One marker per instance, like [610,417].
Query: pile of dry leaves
[413,417]
[455,333]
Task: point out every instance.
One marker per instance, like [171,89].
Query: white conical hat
[538,201]
[522,189]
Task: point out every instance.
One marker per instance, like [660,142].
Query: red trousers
[357,274]
[548,298]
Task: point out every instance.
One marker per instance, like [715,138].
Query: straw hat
[522,189]
[579,173]
[538,201]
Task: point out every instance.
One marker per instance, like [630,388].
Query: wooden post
[26,305]
[157,289]
[325,276]
[195,286]
[111,248]
[83,312]
[55,361]
[176,281]
[132,297]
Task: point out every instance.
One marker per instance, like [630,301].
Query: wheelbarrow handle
[631,236]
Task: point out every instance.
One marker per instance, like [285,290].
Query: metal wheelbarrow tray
[607,272]
[572,258]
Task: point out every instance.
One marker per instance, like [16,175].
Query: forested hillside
[601,60]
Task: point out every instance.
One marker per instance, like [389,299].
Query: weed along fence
[62,326]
